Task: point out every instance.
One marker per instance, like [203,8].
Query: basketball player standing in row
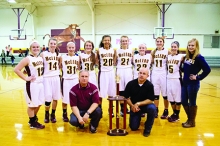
[34,89]
[174,80]
[69,63]
[51,79]
[124,67]
[159,75]
[88,61]
[107,60]
[142,60]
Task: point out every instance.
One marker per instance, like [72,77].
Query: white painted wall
[136,21]
[9,21]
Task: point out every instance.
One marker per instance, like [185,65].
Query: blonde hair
[196,53]
[70,43]
[33,41]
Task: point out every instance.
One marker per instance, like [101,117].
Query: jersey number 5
[170,69]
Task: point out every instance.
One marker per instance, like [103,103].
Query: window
[211,41]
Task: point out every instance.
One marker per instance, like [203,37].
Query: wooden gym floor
[14,129]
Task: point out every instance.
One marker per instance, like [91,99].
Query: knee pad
[172,103]
[47,103]
[156,97]
[165,97]
[178,103]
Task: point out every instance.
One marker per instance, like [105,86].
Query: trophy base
[117,132]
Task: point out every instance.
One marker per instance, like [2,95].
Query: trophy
[117,98]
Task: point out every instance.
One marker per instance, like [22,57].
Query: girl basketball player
[88,61]
[159,75]
[107,59]
[174,81]
[124,67]
[51,79]
[34,89]
[141,60]
[69,64]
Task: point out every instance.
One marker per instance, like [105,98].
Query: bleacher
[16,61]
[213,61]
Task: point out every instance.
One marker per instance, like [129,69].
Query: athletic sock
[53,111]
[64,111]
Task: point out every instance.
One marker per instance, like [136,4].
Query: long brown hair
[92,57]
[196,53]
[154,51]
[101,43]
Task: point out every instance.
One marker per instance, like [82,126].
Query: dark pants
[95,117]
[189,94]
[8,53]
[3,59]
[135,118]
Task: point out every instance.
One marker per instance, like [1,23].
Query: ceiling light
[11,1]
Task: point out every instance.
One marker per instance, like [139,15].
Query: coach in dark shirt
[84,100]
[140,96]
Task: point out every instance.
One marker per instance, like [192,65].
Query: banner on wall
[64,37]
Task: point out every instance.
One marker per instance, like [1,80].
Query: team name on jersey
[141,60]
[126,54]
[71,62]
[173,61]
[189,61]
[86,59]
[107,55]
[37,63]
[160,56]
[51,58]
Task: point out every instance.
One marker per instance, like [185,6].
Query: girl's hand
[192,77]
[30,78]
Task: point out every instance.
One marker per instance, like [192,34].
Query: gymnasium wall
[9,21]
[136,21]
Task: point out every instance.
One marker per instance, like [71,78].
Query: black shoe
[81,126]
[156,114]
[165,114]
[53,118]
[65,118]
[46,119]
[29,122]
[92,129]
[146,134]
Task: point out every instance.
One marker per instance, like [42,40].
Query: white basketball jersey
[51,64]
[106,58]
[160,62]
[35,68]
[69,66]
[141,61]
[173,64]
[86,62]
[124,57]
